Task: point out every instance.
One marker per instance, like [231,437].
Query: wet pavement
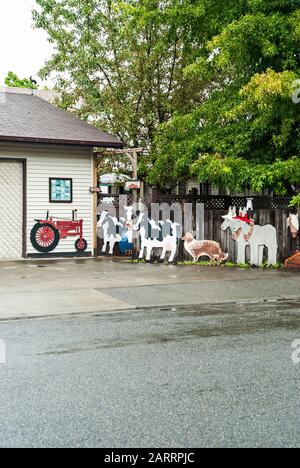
[212,376]
[62,287]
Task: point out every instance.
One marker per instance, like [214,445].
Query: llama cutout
[245,232]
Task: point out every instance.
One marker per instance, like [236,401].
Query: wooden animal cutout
[198,249]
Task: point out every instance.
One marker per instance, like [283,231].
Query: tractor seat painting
[46,234]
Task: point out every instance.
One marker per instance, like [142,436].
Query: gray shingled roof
[28,118]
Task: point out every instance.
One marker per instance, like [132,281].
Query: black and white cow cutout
[163,235]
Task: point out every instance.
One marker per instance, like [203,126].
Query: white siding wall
[43,162]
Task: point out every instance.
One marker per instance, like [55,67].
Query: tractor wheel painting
[46,234]
[44,237]
[81,245]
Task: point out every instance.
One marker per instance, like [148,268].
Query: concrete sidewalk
[31,289]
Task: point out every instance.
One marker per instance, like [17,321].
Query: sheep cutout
[197,249]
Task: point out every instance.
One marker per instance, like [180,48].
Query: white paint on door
[11,209]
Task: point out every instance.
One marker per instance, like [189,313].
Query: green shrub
[295,202]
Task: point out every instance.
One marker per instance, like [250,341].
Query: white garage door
[11,209]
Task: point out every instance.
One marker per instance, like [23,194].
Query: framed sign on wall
[60,190]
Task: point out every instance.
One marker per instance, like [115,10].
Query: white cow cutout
[110,237]
[109,224]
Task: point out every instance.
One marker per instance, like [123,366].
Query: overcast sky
[23,49]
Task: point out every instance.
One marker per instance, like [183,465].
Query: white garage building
[47,167]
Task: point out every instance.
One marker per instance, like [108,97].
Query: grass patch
[135,260]
[216,264]
[241,266]
[265,266]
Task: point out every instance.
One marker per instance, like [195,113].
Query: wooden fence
[267,210]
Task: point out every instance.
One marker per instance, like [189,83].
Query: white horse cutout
[245,232]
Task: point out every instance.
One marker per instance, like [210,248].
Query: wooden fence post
[200,221]
[154,194]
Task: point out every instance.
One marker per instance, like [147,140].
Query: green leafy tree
[295,202]
[13,81]
[123,61]
[246,133]
[204,85]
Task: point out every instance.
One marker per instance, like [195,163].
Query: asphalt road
[212,377]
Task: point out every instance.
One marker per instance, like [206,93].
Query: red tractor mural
[46,234]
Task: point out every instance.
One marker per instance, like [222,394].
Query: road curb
[158,308]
